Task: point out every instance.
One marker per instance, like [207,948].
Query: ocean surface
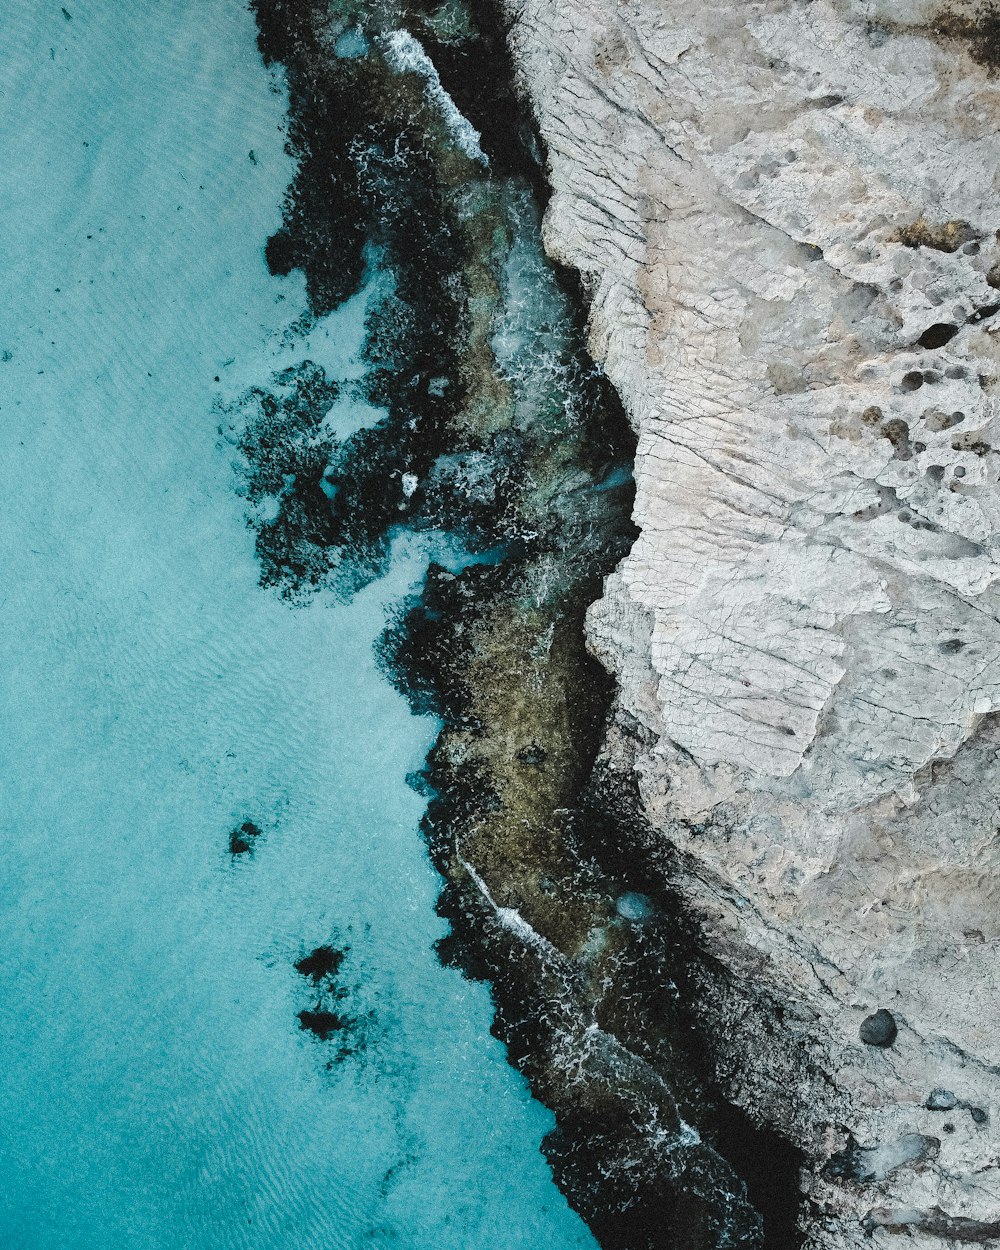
[159,712]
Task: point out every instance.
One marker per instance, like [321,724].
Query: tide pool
[156,1087]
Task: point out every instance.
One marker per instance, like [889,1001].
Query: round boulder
[878,1029]
[941,1100]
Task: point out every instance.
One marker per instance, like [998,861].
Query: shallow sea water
[156,1089]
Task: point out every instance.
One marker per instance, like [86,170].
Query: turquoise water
[157,1090]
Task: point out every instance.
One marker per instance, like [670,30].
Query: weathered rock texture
[787,216]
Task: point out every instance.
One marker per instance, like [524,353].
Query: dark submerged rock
[343,1032]
[286,453]
[878,1029]
[941,1100]
[322,1024]
[243,839]
[321,964]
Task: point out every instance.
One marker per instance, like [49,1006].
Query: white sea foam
[406,55]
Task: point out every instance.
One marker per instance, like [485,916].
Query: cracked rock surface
[786,216]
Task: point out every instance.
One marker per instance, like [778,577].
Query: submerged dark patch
[243,840]
[285,456]
[323,1024]
[321,964]
[326,1017]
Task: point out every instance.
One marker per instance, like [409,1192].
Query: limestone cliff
[786,216]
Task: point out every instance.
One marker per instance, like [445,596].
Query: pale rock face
[786,215]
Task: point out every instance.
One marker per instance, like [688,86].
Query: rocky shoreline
[499,431]
[786,223]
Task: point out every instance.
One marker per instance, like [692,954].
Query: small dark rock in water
[978,1114]
[941,1100]
[241,840]
[533,754]
[321,964]
[878,1029]
[324,1024]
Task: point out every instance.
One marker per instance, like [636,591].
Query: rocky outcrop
[786,218]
